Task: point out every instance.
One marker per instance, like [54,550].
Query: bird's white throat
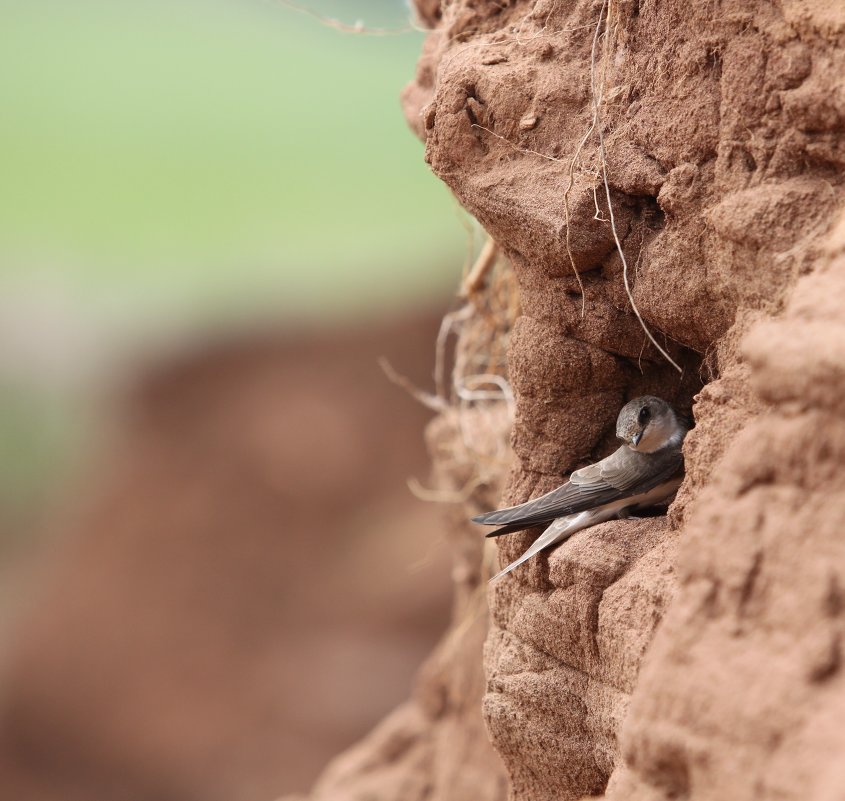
[660,434]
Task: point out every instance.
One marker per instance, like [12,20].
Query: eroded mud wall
[722,131]
[743,690]
[719,128]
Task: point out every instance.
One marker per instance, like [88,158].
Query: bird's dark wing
[622,474]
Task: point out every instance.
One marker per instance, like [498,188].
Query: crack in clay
[560,662]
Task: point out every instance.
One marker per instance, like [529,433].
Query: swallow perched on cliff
[645,471]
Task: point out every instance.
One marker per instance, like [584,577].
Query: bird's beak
[635,440]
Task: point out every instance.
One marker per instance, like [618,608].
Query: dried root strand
[357,27]
[480,270]
[597,100]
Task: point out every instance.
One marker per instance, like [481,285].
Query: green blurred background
[177,170]
[213,221]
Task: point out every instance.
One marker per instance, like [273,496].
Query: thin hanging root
[425,398]
[596,109]
[547,157]
[569,186]
[515,146]
[449,323]
[483,264]
[357,27]
[465,220]
[503,390]
[444,496]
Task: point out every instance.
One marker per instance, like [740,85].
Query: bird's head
[647,424]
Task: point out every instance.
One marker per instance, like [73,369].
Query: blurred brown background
[241,586]
[214,576]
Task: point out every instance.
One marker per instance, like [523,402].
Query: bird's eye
[645,415]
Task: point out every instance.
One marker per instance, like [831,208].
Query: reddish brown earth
[227,603]
[697,656]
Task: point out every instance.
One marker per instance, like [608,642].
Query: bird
[645,471]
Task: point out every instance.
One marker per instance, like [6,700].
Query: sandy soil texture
[695,656]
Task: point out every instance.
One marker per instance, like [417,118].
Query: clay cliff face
[696,655]
[742,692]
